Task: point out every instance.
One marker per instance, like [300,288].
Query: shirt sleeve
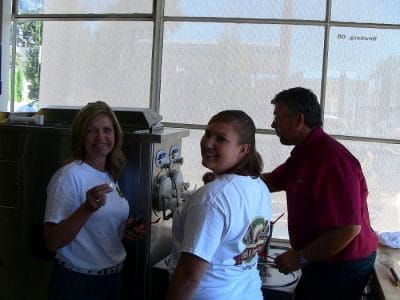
[203,230]
[279,176]
[62,199]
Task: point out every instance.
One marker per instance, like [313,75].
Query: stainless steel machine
[32,148]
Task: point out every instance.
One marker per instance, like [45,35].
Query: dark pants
[70,285]
[341,281]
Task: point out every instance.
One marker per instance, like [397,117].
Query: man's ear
[299,120]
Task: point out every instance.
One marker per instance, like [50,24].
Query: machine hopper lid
[129,118]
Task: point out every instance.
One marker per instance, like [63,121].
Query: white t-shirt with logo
[225,223]
[98,244]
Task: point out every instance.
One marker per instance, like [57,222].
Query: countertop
[386,283]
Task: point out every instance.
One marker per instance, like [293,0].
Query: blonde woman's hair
[115,160]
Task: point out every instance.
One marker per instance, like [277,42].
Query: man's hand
[288,261]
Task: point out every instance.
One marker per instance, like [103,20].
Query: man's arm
[187,276]
[266,177]
[328,244]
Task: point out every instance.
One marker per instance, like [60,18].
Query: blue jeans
[339,281]
[70,285]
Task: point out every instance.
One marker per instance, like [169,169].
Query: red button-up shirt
[325,189]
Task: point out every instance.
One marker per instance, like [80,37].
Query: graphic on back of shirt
[254,239]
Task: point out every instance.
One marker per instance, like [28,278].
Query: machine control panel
[174,153]
[162,159]
[170,190]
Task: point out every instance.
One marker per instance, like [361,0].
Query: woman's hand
[61,234]
[133,230]
[208,177]
[96,196]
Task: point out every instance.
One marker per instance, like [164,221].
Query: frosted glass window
[192,168]
[88,61]
[366,11]
[273,154]
[363,93]
[208,67]
[282,9]
[380,163]
[84,6]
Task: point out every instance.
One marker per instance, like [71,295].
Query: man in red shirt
[328,222]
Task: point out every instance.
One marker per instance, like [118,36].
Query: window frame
[10,16]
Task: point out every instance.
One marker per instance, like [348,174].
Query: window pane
[192,168]
[209,67]
[380,163]
[87,61]
[274,154]
[270,149]
[283,9]
[83,6]
[362,87]
[366,11]
[30,6]
[27,66]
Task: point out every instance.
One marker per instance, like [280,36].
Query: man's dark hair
[301,100]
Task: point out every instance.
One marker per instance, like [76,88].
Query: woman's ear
[244,149]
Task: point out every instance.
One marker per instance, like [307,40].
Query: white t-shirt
[225,223]
[98,244]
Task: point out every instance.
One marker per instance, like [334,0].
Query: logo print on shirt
[254,239]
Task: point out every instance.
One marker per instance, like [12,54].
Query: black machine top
[130,119]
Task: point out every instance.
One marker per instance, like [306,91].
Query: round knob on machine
[162,193]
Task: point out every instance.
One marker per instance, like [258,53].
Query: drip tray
[272,278]
[277,285]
